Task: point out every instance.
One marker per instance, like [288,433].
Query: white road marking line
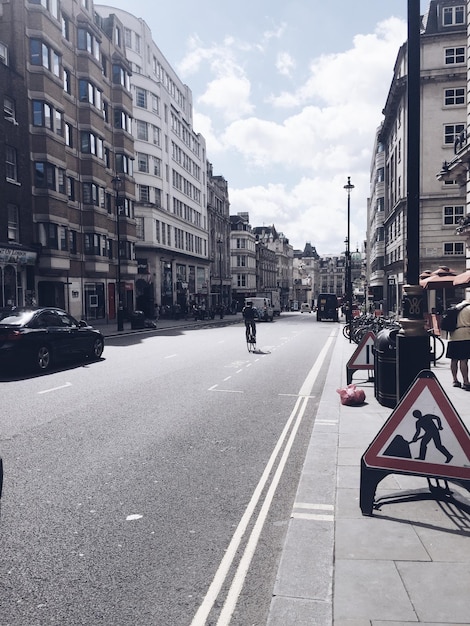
[293,395]
[227,560]
[55,388]
[170,356]
[309,505]
[317,517]
[228,390]
[212,388]
[228,378]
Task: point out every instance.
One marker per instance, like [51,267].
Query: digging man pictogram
[431,425]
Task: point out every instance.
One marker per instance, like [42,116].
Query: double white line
[229,557]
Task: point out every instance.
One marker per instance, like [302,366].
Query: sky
[288,96]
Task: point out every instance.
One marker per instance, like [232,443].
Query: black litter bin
[385,367]
[137,320]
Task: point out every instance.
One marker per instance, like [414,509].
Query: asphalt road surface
[154,488]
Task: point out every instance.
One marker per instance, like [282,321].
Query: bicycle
[437,346]
[250,340]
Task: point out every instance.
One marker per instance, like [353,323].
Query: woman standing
[458,348]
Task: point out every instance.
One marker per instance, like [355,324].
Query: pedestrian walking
[458,347]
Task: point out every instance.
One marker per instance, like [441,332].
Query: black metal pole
[349,187]
[412,342]
[119,315]
[220,271]
[413,142]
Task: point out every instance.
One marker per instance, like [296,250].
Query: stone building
[171,178]
[66,82]
[218,217]
[443,118]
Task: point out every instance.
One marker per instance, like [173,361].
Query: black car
[40,337]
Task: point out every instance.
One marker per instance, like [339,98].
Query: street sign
[424,435]
[362,358]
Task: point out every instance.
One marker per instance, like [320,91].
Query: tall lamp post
[117,186]
[412,341]
[348,287]
[219,244]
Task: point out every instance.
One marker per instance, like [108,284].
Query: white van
[264,308]
[305,307]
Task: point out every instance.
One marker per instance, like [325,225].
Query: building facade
[279,244]
[172,245]
[443,117]
[458,166]
[75,78]
[243,259]
[218,216]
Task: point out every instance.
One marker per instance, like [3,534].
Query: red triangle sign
[363,358]
[424,435]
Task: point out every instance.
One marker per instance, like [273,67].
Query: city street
[155,486]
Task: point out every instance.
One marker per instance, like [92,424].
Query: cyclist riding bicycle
[249,314]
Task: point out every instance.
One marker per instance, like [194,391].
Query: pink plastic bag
[351,395]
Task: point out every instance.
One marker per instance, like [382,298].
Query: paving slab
[440,592]
[370,589]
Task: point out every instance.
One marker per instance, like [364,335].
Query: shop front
[17,276]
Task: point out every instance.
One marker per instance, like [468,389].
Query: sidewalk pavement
[109,328]
[409,563]
[406,564]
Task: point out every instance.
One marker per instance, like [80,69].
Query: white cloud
[302,160]
[315,210]
[268,35]
[285,63]
[359,74]
[230,95]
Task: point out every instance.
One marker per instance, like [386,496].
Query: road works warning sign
[363,358]
[424,435]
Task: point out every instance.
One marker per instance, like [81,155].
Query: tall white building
[443,117]
[170,176]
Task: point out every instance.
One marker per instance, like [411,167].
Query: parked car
[305,307]
[40,337]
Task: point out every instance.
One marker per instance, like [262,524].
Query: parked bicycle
[363,324]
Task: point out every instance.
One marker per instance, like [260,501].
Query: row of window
[182,131]
[171,236]
[186,187]
[187,213]
[143,98]
[144,131]
[49,176]
[56,237]
[133,41]
[149,195]
[185,161]
[449,248]
[143,164]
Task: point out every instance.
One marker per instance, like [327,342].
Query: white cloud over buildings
[299,144]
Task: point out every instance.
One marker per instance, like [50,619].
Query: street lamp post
[117,186]
[412,341]
[348,287]
[219,244]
